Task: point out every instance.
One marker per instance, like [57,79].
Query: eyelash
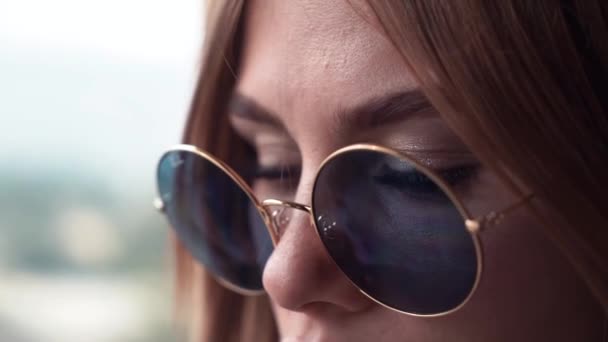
[451,176]
[417,183]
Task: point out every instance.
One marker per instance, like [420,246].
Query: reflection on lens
[394,232]
[214,218]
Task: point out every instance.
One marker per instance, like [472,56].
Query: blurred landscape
[91,93]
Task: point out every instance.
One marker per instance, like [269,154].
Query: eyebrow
[386,109]
[377,111]
[244,107]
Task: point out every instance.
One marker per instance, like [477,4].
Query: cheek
[523,274]
[519,261]
[515,252]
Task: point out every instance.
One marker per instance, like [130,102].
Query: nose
[300,275]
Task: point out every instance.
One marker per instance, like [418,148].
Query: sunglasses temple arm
[494,218]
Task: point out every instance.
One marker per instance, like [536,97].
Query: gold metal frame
[473,225]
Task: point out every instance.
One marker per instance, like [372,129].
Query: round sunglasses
[393,226]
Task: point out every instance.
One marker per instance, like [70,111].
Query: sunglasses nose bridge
[280,215]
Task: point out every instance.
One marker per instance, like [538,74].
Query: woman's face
[306,67]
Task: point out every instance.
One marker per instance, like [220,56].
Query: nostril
[284,282]
[300,283]
[300,272]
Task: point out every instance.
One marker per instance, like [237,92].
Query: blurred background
[91,92]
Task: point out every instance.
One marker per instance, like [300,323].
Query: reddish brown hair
[523,84]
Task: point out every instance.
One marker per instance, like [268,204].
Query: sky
[160,32]
[97,87]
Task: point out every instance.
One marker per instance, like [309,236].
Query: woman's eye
[286,174]
[416,183]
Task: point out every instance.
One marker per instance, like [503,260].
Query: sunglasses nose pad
[281,217]
[281,214]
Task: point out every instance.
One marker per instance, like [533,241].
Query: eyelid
[450,167]
[400,165]
[440,159]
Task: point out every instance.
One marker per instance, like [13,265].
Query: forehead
[303,58]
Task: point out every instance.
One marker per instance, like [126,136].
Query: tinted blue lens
[394,232]
[214,218]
